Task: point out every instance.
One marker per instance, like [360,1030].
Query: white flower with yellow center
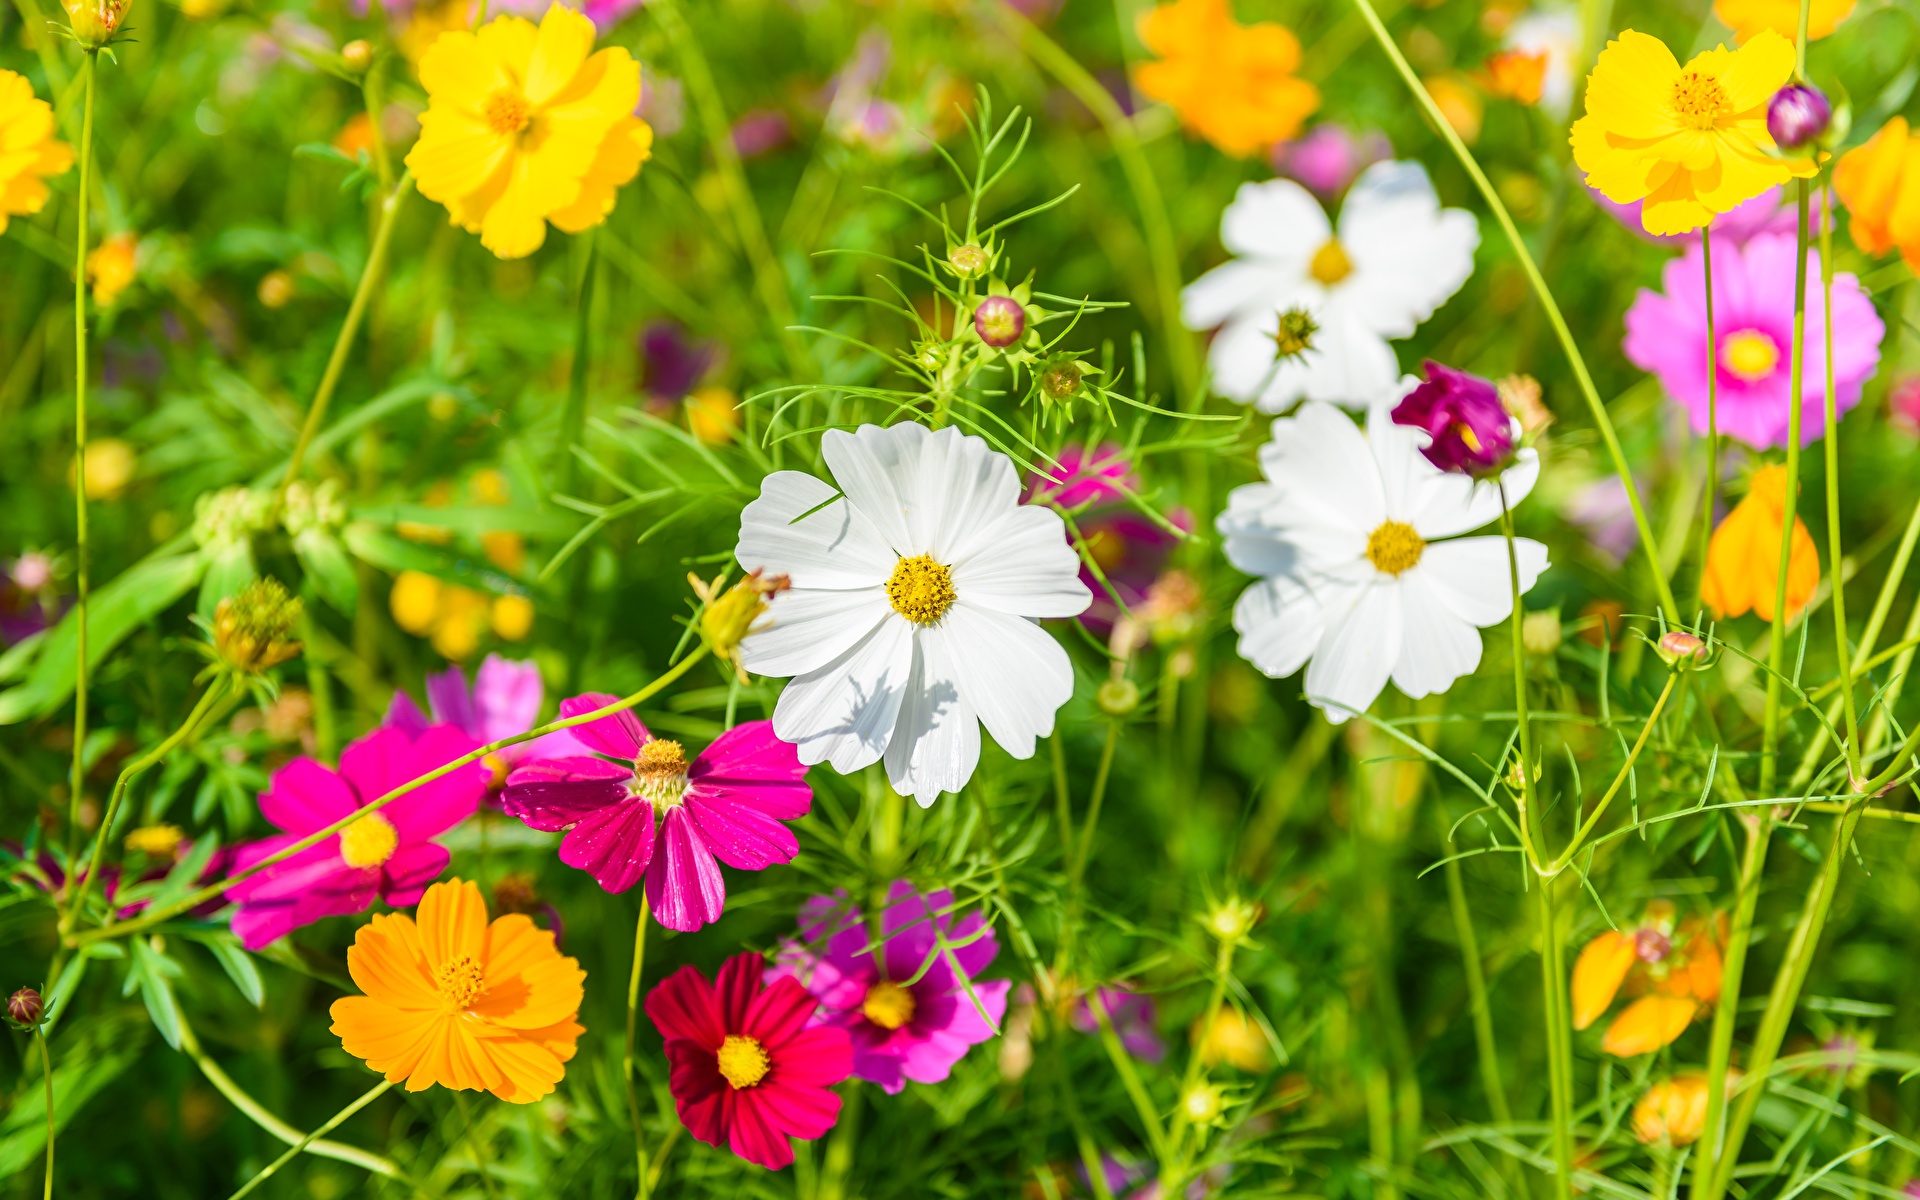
[1364,574]
[913,616]
[1396,256]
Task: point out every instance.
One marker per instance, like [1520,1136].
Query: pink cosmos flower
[1753,327]
[727,804]
[387,855]
[1134,1022]
[504,701]
[1102,475]
[1768,212]
[906,1002]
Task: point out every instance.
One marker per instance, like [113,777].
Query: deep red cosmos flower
[744,1069]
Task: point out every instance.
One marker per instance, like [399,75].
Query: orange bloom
[1879,183]
[1517,75]
[111,267]
[1458,103]
[1673,1111]
[1674,972]
[1743,557]
[461,1002]
[355,136]
[1232,84]
[1748,17]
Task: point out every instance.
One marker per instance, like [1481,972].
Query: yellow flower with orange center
[1673,969]
[29,153]
[111,266]
[1747,18]
[1743,556]
[527,125]
[1879,182]
[457,1000]
[1691,142]
[1232,84]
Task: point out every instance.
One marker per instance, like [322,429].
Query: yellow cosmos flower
[1690,141]
[1879,183]
[111,267]
[528,125]
[1748,17]
[1232,84]
[29,153]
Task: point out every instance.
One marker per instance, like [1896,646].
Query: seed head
[253,630]
[95,22]
[1294,337]
[969,260]
[1060,381]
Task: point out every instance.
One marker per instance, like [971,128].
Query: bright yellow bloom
[1879,183]
[29,153]
[461,1002]
[1691,142]
[110,466]
[512,618]
[713,414]
[1232,84]
[1743,556]
[1748,17]
[528,125]
[110,266]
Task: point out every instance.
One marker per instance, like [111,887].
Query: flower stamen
[1394,547]
[1330,263]
[507,111]
[1698,100]
[888,1005]
[1749,355]
[660,774]
[459,982]
[742,1061]
[369,842]
[920,589]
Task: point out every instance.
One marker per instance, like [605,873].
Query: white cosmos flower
[1397,256]
[912,618]
[1364,576]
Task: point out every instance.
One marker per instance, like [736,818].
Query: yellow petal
[565,40]
[1648,1024]
[1597,975]
[619,159]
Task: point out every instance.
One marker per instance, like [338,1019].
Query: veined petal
[844,712]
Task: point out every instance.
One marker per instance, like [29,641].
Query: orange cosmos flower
[1232,84]
[457,1001]
[111,267]
[1674,1111]
[1743,557]
[1748,17]
[1879,183]
[1517,75]
[1675,972]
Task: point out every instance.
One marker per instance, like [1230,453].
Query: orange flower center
[1749,354]
[507,111]
[498,766]
[459,981]
[1394,547]
[1330,263]
[920,589]
[660,774]
[1698,100]
[742,1061]
[369,841]
[888,1005]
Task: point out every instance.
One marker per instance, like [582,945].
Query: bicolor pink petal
[619,736]
[304,796]
[684,884]
[739,835]
[684,1006]
[554,793]
[614,844]
[410,870]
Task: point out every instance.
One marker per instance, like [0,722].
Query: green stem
[1078,867]
[1620,778]
[1726,1011]
[628,1058]
[1517,622]
[1483,1039]
[82,669]
[1582,376]
[1143,1104]
[1713,419]
[46,1070]
[1777,638]
[356,311]
[474,1148]
[1842,651]
[167,912]
[1559,1040]
[332,1123]
[1062,795]
[573,421]
[1173,1175]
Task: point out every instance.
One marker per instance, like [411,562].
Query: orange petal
[453,922]
[386,961]
[1648,1024]
[1597,975]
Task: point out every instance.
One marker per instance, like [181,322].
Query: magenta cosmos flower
[906,1002]
[1130,548]
[745,1067]
[1470,432]
[387,855]
[1753,332]
[727,804]
[503,701]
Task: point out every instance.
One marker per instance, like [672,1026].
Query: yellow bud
[253,630]
[357,54]
[95,22]
[727,617]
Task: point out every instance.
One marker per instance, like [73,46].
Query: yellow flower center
[888,1005]
[507,111]
[1330,263]
[459,982]
[1698,100]
[660,774]
[1749,354]
[498,766]
[920,589]
[1394,547]
[369,841]
[742,1060]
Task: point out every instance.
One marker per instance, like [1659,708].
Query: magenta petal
[613,844]
[554,794]
[288,878]
[431,808]
[452,704]
[304,796]
[619,736]
[802,1112]
[403,714]
[506,698]
[410,870]
[754,1138]
[684,883]
[739,835]
[750,752]
[818,1057]
[258,924]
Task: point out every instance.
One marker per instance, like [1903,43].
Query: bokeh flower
[673,362]
[528,125]
[1753,287]
[1673,1112]
[745,1067]
[504,700]
[1769,212]
[1232,84]
[1329,157]
[454,999]
[1469,430]
[1879,182]
[1133,1017]
[653,813]
[913,619]
[1362,573]
[1688,142]
[1672,966]
[1517,75]
[1397,256]
[1743,555]
[388,855]
[913,1004]
[111,267]
[1555,33]
[1748,18]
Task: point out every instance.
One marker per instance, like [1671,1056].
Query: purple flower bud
[1472,431]
[1681,650]
[24,1007]
[1000,321]
[1797,114]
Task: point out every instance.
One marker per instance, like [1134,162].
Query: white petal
[879,470]
[1358,650]
[1439,648]
[1410,482]
[1321,461]
[1471,577]
[832,548]
[1454,504]
[1243,361]
[1236,287]
[1351,364]
[1258,550]
[1277,220]
[966,488]
[1010,671]
[807,628]
[1022,564]
[936,741]
[844,712]
[1280,623]
[1409,255]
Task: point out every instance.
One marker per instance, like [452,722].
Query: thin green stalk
[1582,376]
[82,550]
[573,421]
[474,1148]
[1078,867]
[1483,1039]
[334,1122]
[46,1071]
[1831,446]
[1559,1039]
[1173,1174]
[1726,1011]
[167,912]
[356,311]
[1517,624]
[1062,795]
[1157,1137]
[1777,638]
[1713,419]
[628,1058]
[1565,857]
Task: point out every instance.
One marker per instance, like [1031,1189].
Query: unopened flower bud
[253,630]
[357,54]
[728,616]
[1060,381]
[1681,650]
[24,1007]
[1797,115]
[95,22]
[1118,697]
[1203,1104]
[1000,321]
[1232,919]
[1540,632]
[1294,336]
[1469,429]
[968,260]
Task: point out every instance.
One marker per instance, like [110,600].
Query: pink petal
[304,796]
[553,794]
[683,1006]
[805,1113]
[817,1057]
[749,753]
[506,698]
[620,735]
[699,1094]
[753,1136]
[452,704]
[778,1012]
[381,762]
[613,844]
[740,836]
[258,924]
[403,714]
[684,883]
[289,877]
[735,986]
[410,870]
